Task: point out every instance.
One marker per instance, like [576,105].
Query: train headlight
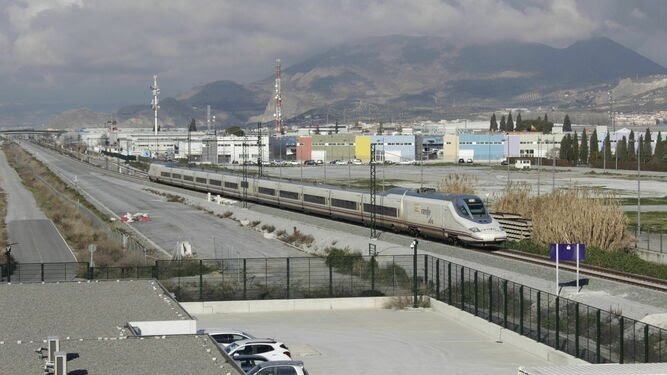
[474,229]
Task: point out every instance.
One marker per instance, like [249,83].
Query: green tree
[503,127]
[235,130]
[494,124]
[640,148]
[509,124]
[563,153]
[567,125]
[622,149]
[659,153]
[574,156]
[583,150]
[607,148]
[593,150]
[546,119]
[647,150]
[193,126]
[631,147]
[519,123]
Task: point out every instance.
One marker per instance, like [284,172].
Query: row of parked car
[256,356]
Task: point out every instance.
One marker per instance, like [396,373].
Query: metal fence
[589,333]
[651,237]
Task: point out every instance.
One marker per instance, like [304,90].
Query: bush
[268,228]
[457,184]
[577,215]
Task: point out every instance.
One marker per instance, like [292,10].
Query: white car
[269,348]
[279,367]
[224,337]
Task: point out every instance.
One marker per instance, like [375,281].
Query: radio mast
[278,115]
[154,104]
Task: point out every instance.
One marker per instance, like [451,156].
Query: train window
[382,210]
[187,178]
[348,205]
[175,175]
[476,206]
[201,180]
[215,182]
[231,185]
[313,199]
[289,194]
[165,174]
[244,184]
[266,191]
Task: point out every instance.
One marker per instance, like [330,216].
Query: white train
[455,217]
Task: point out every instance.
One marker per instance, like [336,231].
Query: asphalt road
[171,222]
[33,236]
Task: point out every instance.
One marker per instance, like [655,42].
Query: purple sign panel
[567,251]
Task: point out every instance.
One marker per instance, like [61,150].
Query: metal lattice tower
[278,97]
[373,193]
[260,155]
[244,181]
[155,90]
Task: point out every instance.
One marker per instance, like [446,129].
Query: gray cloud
[100,50]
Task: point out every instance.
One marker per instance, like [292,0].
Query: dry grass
[403,302]
[456,183]
[170,197]
[78,230]
[296,238]
[578,215]
[3,227]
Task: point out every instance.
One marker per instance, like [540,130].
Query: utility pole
[259,149]
[613,125]
[373,192]
[244,181]
[539,164]
[639,188]
[155,90]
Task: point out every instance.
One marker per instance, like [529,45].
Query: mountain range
[411,77]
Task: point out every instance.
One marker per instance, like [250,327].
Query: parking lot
[380,341]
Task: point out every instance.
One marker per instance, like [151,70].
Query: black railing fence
[587,332]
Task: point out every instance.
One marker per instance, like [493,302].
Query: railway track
[599,272]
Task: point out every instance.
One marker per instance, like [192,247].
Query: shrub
[227,214]
[457,184]
[254,223]
[577,215]
[268,228]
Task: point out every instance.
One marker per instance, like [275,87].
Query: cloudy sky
[103,53]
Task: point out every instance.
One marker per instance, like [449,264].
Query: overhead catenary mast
[278,115]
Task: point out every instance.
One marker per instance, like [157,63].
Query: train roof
[422,193]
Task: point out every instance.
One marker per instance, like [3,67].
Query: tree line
[585,150]
[542,124]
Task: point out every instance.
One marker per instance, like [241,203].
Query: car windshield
[476,207]
[231,347]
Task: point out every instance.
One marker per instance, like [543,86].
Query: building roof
[185,354]
[90,318]
[87,309]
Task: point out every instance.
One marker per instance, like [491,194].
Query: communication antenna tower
[208,118]
[154,104]
[278,115]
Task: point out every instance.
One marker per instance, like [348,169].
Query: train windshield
[473,208]
[476,207]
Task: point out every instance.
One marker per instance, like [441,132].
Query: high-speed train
[455,217]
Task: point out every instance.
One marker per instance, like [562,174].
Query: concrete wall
[311,304]
[652,256]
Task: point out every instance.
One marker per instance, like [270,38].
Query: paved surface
[35,238]
[380,342]
[171,222]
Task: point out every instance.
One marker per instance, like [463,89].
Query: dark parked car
[248,362]
[462,160]
[309,162]
[504,162]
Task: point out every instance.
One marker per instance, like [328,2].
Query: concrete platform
[381,341]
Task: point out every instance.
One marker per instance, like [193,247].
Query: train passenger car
[456,217]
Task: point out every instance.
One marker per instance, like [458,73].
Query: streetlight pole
[507,141]
[639,194]
[553,163]
[539,171]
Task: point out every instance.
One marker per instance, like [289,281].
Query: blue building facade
[395,148]
[485,147]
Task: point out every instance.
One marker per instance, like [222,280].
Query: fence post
[156,270]
[645,343]
[330,281]
[521,310]
[201,279]
[41,269]
[648,238]
[598,336]
[288,278]
[576,330]
[505,303]
[539,316]
[463,293]
[449,282]
[476,304]
[662,229]
[372,272]
[490,298]
[557,322]
[245,280]
[425,271]
[437,279]
[621,351]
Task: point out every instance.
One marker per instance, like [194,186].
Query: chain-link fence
[651,237]
[589,333]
